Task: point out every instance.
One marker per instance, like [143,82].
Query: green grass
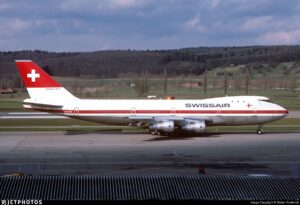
[284,125]
[277,96]
[119,88]
[253,128]
[11,105]
[286,121]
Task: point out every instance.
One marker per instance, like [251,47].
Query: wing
[180,121]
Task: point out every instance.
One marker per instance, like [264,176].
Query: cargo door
[76,111]
[173,111]
[133,111]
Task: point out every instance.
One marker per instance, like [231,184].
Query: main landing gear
[154,132]
[161,133]
[259,130]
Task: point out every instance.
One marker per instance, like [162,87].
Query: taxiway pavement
[138,153]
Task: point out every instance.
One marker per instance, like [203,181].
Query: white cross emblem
[33,75]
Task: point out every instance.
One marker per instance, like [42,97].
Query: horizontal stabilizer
[41,105]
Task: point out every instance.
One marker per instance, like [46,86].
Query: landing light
[170,97]
[151,97]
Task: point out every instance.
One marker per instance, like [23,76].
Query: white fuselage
[159,116]
[239,110]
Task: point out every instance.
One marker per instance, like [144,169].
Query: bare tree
[225,81]
[293,85]
[165,81]
[141,85]
[214,83]
[237,83]
[247,82]
[285,84]
[205,81]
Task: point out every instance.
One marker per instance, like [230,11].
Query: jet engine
[165,126]
[197,127]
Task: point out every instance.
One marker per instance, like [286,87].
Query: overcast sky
[88,25]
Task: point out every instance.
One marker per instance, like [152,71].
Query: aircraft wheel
[172,134]
[153,132]
[259,132]
[162,134]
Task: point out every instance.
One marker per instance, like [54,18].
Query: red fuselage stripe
[168,111]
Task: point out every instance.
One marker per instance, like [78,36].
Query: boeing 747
[164,117]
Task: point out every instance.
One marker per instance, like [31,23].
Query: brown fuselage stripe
[167,111]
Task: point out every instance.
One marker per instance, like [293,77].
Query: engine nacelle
[197,127]
[165,126]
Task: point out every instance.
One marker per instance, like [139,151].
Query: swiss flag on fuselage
[33,76]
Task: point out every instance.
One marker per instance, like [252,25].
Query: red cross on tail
[34,76]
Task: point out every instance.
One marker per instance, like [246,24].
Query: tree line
[116,63]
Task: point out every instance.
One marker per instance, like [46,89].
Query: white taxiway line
[71,126]
[28,113]
[33,117]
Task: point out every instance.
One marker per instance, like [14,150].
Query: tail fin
[40,86]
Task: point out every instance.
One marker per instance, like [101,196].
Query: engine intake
[165,126]
[197,127]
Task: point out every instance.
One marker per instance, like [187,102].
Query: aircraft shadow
[208,135]
[247,132]
[110,131]
[158,138]
[183,137]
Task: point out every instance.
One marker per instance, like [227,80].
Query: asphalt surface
[135,153]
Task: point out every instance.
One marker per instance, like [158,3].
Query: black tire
[162,133]
[260,132]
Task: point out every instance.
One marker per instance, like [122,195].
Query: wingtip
[23,61]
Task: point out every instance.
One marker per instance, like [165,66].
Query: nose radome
[282,111]
[285,112]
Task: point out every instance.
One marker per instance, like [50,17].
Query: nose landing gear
[259,130]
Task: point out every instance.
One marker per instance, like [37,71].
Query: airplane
[163,117]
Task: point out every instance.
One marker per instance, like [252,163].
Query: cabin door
[133,111]
[253,118]
[76,111]
[173,111]
[219,112]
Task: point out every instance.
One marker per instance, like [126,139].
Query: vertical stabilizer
[40,86]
